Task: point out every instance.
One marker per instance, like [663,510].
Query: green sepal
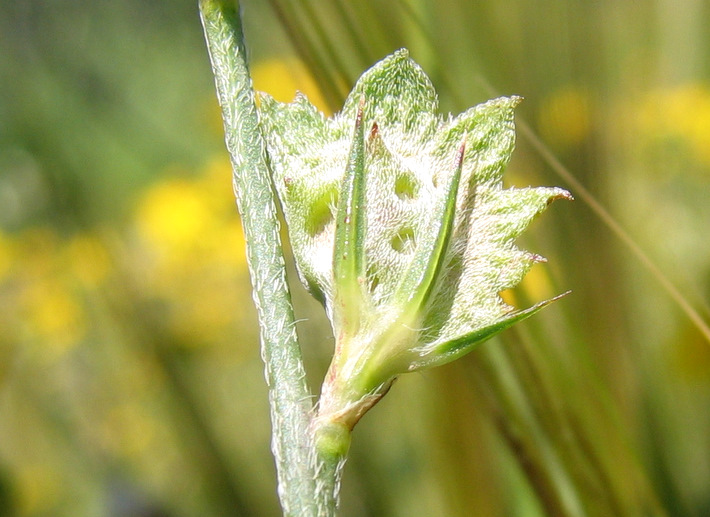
[447,351]
[408,253]
[399,93]
[349,248]
[416,285]
[489,130]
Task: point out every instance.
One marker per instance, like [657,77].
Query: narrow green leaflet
[419,280]
[349,248]
[443,352]
[406,233]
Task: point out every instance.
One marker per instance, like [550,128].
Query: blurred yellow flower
[193,255]
[6,255]
[187,222]
[282,78]
[36,251]
[89,259]
[174,215]
[536,285]
[681,113]
[54,317]
[42,306]
[564,119]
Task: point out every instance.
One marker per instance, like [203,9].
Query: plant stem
[307,485]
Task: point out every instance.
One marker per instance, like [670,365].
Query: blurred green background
[130,376]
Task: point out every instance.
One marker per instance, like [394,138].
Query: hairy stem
[307,485]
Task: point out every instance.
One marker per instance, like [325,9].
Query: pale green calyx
[400,224]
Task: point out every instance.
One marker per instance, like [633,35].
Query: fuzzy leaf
[406,232]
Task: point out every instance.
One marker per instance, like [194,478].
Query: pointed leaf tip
[445,352]
[567,196]
[461,153]
[349,247]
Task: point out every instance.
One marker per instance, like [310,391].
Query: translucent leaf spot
[403,241]
[321,212]
[406,187]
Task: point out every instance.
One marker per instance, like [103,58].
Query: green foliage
[124,285]
[411,258]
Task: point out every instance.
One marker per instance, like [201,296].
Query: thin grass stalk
[306,486]
[594,458]
[298,34]
[521,444]
[344,78]
[353,31]
[375,35]
[579,457]
[543,462]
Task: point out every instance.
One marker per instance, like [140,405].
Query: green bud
[400,224]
